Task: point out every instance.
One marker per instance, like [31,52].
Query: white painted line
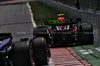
[90,51]
[86,51]
[51,63]
[33,22]
[98,49]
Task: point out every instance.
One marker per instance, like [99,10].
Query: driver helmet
[60,16]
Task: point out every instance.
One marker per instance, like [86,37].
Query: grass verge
[41,12]
[92,58]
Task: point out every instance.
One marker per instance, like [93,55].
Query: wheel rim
[46,48]
[30,46]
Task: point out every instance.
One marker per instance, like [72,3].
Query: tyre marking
[23,10]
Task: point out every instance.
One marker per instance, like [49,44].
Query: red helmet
[61,18]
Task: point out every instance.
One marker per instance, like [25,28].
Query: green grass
[41,12]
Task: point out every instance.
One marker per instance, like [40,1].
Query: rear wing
[61,22]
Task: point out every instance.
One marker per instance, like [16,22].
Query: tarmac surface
[15,18]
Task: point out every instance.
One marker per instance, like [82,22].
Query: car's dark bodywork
[23,52]
[5,48]
[69,32]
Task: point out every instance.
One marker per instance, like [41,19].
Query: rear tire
[85,36]
[22,54]
[41,32]
[40,51]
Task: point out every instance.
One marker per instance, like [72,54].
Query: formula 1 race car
[62,33]
[22,53]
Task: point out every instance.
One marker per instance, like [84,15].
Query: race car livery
[23,52]
[66,32]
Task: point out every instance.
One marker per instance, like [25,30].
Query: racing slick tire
[38,30]
[41,32]
[40,51]
[21,53]
[34,31]
[85,36]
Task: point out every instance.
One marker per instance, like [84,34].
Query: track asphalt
[16,19]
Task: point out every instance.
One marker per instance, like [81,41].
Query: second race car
[62,33]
